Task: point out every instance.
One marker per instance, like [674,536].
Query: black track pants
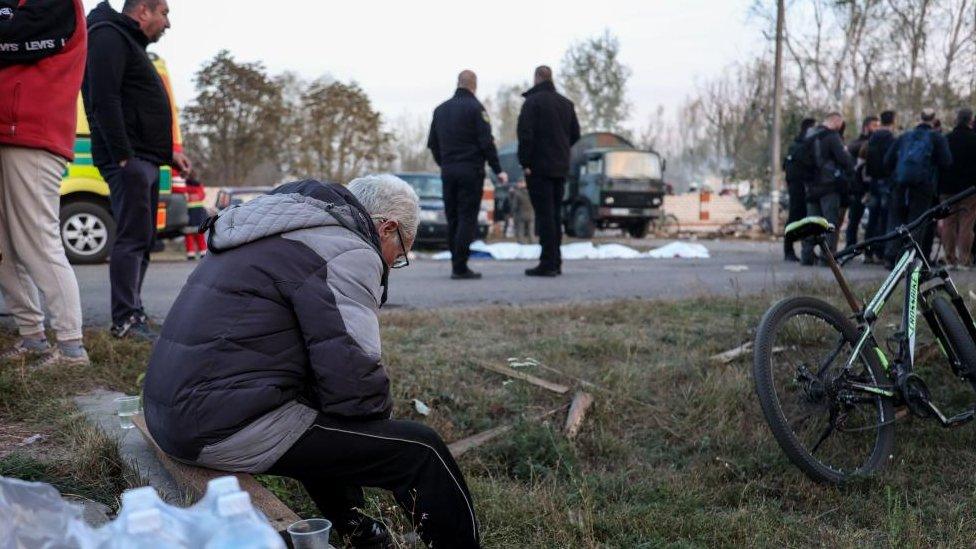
[335,458]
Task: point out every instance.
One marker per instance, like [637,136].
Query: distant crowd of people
[891,177]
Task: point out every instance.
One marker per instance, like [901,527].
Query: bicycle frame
[921,281]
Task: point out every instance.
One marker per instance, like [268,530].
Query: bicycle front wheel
[831,432]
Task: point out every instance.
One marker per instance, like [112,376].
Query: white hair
[386,195]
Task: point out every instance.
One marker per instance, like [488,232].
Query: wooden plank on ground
[538,382]
[194,479]
[577,411]
[729,356]
[461,446]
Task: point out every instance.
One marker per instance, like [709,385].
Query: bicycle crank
[917,397]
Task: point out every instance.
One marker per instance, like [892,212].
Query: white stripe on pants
[30,241]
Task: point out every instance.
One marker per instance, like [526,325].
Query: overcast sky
[406,54]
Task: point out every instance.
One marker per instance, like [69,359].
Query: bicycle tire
[772,409]
[670,226]
[957,334]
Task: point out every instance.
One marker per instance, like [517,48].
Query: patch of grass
[674,452]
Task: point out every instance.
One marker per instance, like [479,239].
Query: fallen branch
[577,411]
[729,356]
[465,444]
[539,382]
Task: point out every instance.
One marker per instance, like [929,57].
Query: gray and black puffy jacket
[278,324]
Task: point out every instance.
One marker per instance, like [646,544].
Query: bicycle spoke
[830,359]
[823,437]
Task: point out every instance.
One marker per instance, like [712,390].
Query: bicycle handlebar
[939,211]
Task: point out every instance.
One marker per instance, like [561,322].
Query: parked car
[234,196]
[433,220]
[87,226]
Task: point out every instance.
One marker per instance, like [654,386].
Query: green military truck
[611,183]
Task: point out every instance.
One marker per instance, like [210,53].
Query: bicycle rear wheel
[830,432]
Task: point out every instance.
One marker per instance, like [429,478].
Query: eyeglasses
[401,260]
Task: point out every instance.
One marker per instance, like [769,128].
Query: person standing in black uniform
[547,128]
[461,142]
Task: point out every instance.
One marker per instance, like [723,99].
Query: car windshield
[427,186]
[633,165]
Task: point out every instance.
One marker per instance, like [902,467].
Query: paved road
[426,284]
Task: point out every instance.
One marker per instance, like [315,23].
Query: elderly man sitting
[269,361]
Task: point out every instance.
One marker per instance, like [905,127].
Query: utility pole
[777,115]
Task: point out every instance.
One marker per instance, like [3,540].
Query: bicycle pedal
[961,418]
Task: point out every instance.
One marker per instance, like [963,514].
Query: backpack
[878,147]
[800,164]
[915,158]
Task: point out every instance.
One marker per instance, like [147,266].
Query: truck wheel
[582,223]
[638,229]
[87,232]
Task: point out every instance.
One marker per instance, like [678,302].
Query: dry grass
[675,452]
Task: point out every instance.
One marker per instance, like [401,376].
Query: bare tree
[504,107]
[342,136]
[410,137]
[233,124]
[595,79]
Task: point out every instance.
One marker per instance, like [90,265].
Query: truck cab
[86,224]
[612,184]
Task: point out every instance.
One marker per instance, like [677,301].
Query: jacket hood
[104,13]
[541,87]
[290,207]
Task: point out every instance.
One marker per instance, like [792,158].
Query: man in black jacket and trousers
[461,142]
[911,198]
[132,136]
[834,166]
[547,128]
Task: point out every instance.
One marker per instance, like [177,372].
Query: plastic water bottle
[203,518]
[241,527]
[144,528]
[145,520]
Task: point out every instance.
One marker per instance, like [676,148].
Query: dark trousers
[855,212]
[335,458]
[135,198]
[828,207]
[877,220]
[906,204]
[462,202]
[546,195]
[798,210]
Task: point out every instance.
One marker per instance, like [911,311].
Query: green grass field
[674,451]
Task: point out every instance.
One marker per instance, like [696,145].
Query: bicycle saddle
[808,227]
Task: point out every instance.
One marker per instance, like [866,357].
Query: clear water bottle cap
[234,504]
[223,485]
[139,497]
[144,521]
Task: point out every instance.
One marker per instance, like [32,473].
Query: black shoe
[135,327]
[539,271]
[364,533]
[466,275]
[791,258]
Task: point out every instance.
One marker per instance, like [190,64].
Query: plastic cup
[310,534]
[127,407]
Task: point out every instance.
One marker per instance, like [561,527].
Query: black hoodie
[127,105]
[547,128]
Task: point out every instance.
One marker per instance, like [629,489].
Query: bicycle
[827,389]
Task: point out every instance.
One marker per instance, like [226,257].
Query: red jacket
[43,49]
